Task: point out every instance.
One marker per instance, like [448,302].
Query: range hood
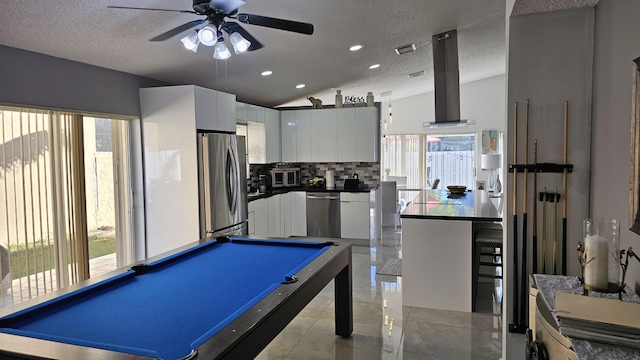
[446,79]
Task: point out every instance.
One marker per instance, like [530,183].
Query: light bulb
[208,35]
[221,52]
[191,41]
[240,44]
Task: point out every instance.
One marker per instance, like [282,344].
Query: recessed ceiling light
[300,86]
[355,47]
[374,66]
[266,73]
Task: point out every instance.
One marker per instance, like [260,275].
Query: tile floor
[383,328]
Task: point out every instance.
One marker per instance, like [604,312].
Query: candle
[596,272]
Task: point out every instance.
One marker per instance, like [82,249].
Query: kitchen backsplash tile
[368,172]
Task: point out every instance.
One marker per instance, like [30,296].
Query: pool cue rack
[541,168]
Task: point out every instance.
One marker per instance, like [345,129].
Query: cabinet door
[298,213]
[366,134]
[272,133]
[206,109]
[226,112]
[260,114]
[289,139]
[324,131]
[256,144]
[303,135]
[275,218]
[346,121]
[251,223]
[285,214]
[242,111]
[260,210]
[354,215]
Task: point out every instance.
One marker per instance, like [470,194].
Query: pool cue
[515,327]
[525,195]
[555,197]
[564,190]
[544,197]
[534,234]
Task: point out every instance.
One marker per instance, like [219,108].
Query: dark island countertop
[439,204]
[256,196]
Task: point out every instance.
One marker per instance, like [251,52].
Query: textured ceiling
[89,32]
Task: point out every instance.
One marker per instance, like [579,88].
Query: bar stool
[486,242]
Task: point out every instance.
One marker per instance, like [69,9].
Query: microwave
[284,177]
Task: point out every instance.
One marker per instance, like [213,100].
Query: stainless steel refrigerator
[222,179]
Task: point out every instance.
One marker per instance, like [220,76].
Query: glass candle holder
[601,270]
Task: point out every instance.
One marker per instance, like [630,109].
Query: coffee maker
[262,183]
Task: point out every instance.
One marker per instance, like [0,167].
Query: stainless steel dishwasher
[323,214]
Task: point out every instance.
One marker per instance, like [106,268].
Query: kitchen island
[437,246]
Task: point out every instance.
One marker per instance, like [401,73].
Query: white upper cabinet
[242,111]
[256,143]
[330,135]
[272,133]
[206,107]
[288,131]
[367,141]
[303,136]
[346,119]
[324,140]
[226,112]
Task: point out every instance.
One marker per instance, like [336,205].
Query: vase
[498,184]
[602,250]
[338,98]
[369,99]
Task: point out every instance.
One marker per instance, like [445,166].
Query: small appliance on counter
[330,180]
[285,177]
[352,184]
[262,183]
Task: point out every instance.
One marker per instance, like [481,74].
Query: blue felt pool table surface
[174,305]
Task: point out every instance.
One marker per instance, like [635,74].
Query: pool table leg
[344,301]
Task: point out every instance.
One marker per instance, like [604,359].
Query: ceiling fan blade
[177,30]
[227,6]
[139,8]
[231,27]
[287,25]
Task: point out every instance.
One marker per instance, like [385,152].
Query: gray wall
[34,79]
[617,43]
[550,63]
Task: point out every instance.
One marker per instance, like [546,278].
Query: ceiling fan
[217,13]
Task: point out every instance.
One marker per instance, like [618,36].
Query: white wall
[617,43]
[482,101]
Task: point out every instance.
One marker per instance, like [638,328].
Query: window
[64,200]
[423,158]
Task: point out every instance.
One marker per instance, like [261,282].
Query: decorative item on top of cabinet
[338,99]
[317,103]
[369,99]
[352,101]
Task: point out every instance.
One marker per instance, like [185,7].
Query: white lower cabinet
[298,213]
[260,210]
[275,218]
[354,215]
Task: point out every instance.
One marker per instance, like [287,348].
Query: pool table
[222,299]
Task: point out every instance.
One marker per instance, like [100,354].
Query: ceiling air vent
[416,74]
[405,49]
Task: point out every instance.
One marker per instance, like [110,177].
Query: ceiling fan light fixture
[240,44]
[220,51]
[191,41]
[208,35]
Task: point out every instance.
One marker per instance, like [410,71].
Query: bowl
[457,189]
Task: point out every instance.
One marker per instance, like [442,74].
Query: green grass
[42,258]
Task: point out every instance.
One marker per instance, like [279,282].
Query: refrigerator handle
[232,175]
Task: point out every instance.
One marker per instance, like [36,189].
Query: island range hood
[446,79]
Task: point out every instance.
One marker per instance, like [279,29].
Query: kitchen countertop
[439,204]
[301,188]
